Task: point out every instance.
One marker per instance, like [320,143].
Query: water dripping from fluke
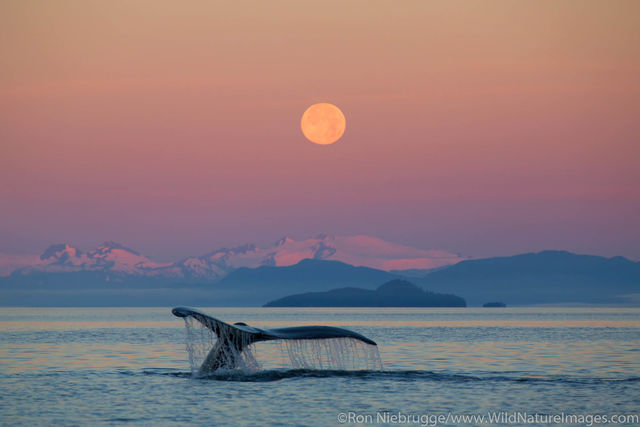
[214,346]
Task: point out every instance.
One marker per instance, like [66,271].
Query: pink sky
[479,127]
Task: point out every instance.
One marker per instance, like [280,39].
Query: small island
[396,293]
[494,304]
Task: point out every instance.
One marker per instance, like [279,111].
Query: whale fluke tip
[181,311]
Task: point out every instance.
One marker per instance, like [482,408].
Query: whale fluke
[232,339]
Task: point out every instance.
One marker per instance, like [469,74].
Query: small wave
[405,375]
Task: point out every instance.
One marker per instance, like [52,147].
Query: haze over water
[88,366]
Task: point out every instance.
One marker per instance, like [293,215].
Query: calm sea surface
[122,365]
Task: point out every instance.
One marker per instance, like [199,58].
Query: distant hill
[395,293]
[548,277]
[308,275]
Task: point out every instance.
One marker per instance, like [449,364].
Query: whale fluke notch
[233,339]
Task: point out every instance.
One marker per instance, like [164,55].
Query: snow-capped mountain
[358,250]
[109,256]
[362,250]
[10,262]
[355,250]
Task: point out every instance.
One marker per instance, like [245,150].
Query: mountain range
[113,275]
[115,258]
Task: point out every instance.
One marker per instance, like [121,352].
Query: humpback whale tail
[233,340]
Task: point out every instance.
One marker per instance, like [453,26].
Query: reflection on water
[80,325]
[100,365]
[536,358]
[72,356]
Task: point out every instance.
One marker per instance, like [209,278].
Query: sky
[480,127]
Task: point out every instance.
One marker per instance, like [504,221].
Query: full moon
[323,123]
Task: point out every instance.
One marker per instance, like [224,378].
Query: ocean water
[91,366]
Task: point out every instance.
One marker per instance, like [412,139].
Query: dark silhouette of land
[548,277]
[307,275]
[396,293]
